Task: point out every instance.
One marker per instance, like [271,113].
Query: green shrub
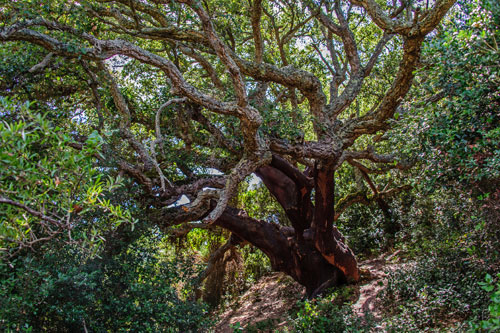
[492,324]
[135,290]
[329,315]
[439,287]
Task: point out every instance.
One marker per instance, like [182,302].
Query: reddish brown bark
[301,260]
[327,239]
[313,251]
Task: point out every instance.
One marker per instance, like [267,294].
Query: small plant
[493,323]
[265,325]
[330,314]
[236,327]
[443,286]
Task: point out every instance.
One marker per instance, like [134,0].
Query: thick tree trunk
[327,239]
[301,260]
[313,252]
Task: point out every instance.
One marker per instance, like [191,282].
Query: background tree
[191,98]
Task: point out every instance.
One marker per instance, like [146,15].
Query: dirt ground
[269,299]
[273,296]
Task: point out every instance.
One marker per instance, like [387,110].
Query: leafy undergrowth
[435,293]
[442,291]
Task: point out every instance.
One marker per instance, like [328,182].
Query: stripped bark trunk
[300,260]
[312,251]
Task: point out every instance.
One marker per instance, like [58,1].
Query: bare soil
[374,273]
[273,296]
[269,299]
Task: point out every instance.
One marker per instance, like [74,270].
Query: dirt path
[269,300]
[273,296]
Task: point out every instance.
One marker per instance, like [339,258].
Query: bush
[135,290]
[493,322]
[439,287]
[329,315]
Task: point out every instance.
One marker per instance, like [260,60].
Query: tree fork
[301,260]
[313,226]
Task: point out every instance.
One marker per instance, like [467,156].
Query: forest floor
[374,273]
[268,302]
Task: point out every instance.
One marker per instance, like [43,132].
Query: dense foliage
[41,172]
[155,155]
[329,315]
[450,221]
[137,289]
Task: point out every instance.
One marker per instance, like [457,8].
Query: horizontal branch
[195,211]
[322,150]
[31,211]
[381,171]
[362,198]
[104,49]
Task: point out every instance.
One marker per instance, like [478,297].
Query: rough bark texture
[299,259]
[312,251]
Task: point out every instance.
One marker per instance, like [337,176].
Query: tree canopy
[185,99]
[154,153]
